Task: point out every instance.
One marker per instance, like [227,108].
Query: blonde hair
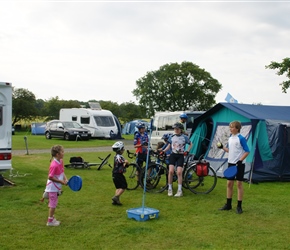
[55,150]
[236,124]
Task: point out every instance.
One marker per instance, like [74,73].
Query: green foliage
[283,68]
[24,105]
[175,87]
[90,221]
[53,106]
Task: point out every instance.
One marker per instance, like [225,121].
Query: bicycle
[132,173]
[200,177]
[157,174]
[192,180]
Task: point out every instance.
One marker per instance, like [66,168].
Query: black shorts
[240,173]
[176,160]
[119,181]
[141,157]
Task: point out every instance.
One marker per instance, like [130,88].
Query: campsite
[89,221]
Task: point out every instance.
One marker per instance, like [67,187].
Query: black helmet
[140,125]
[178,125]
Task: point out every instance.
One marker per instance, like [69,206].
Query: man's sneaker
[178,194]
[116,200]
[54,223]
[239,210]
[226,207]
[170,193]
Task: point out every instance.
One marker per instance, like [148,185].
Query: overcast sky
[82,50]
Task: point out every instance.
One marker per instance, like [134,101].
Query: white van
[163,122]
[5,126]
[99,121]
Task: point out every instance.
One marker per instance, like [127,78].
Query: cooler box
[143,213]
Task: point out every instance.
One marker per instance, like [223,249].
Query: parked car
[67,130]
[13,130]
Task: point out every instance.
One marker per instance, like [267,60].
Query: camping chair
[78,162]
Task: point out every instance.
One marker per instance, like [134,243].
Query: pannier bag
[202,168]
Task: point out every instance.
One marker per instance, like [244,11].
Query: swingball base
[143,213]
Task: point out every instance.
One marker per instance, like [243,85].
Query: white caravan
[163,122]
[99,121]
[5,126]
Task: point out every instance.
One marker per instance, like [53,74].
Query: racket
[75,183]
[230,172]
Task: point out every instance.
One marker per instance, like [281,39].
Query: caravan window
[74,118]
[85,120]
[104,121]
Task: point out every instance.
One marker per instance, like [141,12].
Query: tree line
[25,107]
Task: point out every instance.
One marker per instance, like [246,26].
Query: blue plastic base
[143,213]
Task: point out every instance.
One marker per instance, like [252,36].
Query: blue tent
[38,128]
[266,128]
[129,128]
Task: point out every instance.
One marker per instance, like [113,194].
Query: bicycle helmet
[140,125]
[183,116]
[178,125]
[166,136]
[118,146]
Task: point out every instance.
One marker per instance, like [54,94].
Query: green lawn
[90,221]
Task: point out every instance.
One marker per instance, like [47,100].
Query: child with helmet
[119,168]
[177,143]
[183,119]
[141,140]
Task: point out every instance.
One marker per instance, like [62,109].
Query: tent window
[74,118]
[85,120]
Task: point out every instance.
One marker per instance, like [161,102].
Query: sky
[97,50]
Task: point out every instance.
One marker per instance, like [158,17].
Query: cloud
[97,50]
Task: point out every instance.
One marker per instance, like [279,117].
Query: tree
[283,68]
[177,87]
[53,106]
[130,111]
[23,105]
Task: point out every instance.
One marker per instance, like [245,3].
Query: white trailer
[99,121]
[5,126]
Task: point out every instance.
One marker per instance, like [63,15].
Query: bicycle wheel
[132,176]
[156,179]
[200,184]
[104,161]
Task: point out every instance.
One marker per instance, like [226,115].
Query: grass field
[90,221]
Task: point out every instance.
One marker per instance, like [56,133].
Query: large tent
[266,128]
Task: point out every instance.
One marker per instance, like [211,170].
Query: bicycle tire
[104,162]
[132,176]
[156,179]
[200,184]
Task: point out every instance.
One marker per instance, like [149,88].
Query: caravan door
[5,125]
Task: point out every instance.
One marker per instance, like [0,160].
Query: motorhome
[99,121]
[5,126]
[163,122]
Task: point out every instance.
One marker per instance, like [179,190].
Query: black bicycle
[200,177]
[157,173]
[133,172]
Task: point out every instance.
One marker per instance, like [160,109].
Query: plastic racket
[230,172]
[75,183]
